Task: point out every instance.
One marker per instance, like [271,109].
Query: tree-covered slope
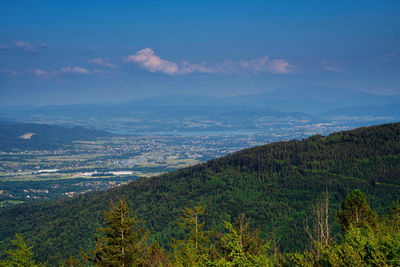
[31,136]
[275,185]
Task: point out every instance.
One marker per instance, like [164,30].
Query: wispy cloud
[147,59]
[321,65]
[103,62]
[40,73]
[69,70]
[45,45]
[27,47]
[265,64]
[60,73]
[76,69]
[12,72]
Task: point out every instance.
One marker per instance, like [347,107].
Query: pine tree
[194,249]
[355,211]
[242,247]
[21,256]
[123,240]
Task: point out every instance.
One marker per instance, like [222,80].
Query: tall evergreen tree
[123,240]
[355,211]
[193,250]
[242,247]
[248,241]
[21,255]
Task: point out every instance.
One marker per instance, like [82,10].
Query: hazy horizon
[57,53]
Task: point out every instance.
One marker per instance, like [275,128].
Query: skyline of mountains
[290,107]
[328,95]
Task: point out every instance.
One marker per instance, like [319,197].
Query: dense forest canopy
[366,240]
[276,185]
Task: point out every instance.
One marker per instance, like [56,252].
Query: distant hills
[198,113]
[31,136]
[276,185]
[388,111]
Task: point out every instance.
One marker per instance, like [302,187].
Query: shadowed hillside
[32,136]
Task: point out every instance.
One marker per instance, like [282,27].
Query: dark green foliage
[46,137]
[122,242]
[72,262]
[360,245]
[21,255]
[239,246]
[245,240]
[193,250]
[275,185]
[355,211]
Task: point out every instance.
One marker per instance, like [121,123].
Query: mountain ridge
[274,184]
[42,136]
[276,109]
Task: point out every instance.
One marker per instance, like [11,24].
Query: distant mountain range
[390,110]
[189,113]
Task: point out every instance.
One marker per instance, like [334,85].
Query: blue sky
[66,52]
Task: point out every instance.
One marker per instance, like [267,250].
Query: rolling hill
[275,185]
[31,136]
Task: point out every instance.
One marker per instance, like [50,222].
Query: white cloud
[279,66]
[104,62]
[77,70]
[257,64]
[25,46]
[147,59]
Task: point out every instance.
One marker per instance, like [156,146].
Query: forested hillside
[31,136]
[276,185]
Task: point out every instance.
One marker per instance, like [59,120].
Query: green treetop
[194,249]
[123,240]
[355,211]
[21,255]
